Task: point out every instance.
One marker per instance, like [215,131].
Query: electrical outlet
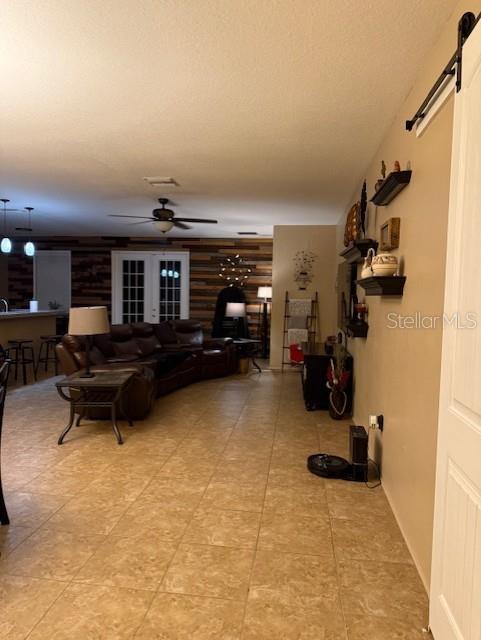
[376,422]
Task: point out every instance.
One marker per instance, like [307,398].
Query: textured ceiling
[265,111]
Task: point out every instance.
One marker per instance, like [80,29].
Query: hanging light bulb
[29,247]
[6,244]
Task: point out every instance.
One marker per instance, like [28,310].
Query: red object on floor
[296,354]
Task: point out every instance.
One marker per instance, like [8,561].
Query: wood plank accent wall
[91,269]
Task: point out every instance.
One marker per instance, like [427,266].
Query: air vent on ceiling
[159,181]
[247,233]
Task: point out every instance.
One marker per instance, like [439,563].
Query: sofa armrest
[217,343]
[122,359]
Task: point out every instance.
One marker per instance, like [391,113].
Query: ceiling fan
[165,219]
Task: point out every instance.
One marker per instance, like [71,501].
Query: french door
[149,286]
[455,607]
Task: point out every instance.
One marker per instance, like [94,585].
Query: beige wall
[288,240]
[397,371]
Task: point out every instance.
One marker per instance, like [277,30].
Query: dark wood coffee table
[105,390]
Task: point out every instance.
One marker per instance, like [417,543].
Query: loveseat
[163,357]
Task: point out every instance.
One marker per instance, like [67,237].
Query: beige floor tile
[146,516]
[87,611]
[296,533]
[265,621]
[294,580]
[181,492]
[355,501]
[117,486]
[373,628]
[189,467]
[293,476]
[85,513]
[50,554]
[223,528]
[23,601]
[378,538]
[139,562]
[28,509]
[209,571]
[179,617]
[60,482]
[11,536]
[233,496]
[309,502]
[243,472]
[383,589]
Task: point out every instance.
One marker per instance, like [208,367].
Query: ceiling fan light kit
[164,219]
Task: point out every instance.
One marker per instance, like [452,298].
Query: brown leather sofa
[163,357]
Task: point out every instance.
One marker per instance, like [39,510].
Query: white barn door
[455,610]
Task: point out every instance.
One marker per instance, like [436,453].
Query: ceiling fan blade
[180,225]
[23,229]
[203,220]
[142,222]
[116,215]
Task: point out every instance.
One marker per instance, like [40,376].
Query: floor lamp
[265,294]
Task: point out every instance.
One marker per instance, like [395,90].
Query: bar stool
[20,352]
[47,352]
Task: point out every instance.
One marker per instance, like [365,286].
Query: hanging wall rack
[454,67]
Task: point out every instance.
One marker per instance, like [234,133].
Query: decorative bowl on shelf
[384,264]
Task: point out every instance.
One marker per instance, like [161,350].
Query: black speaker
[358,452]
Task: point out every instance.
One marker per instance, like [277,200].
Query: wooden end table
[104,390]
[247,348]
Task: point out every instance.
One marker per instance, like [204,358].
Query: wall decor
[303,272]
[390,234]
[234,271]
[384,264]
[352,230]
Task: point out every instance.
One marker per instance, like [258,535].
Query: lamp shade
[264,292]
[88,321]
[235,310]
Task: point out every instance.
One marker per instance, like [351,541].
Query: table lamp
[88,321]
[265,294]
[235,310]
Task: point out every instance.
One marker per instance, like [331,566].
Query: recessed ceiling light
[156,181]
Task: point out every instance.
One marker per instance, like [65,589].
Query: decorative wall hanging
[390,234]
[234,271]
[304,262]
[352,230]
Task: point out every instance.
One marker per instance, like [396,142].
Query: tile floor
[204,525]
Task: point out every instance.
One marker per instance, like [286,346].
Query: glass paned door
[171,282]
[149,286]
[133,290]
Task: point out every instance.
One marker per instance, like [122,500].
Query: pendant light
[29,247]
[6,244]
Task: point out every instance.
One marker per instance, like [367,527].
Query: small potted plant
[337,379]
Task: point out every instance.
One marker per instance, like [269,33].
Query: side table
[247,348]
[104,389]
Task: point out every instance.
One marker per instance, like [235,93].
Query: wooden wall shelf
[358,249]
[383,285]
[391,186]
[357,329]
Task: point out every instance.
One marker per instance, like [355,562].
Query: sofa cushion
[129,347]
[189,332]
[148,344]
[165,333]
[104,343]
[121,332]
[142,329]
[96,356]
